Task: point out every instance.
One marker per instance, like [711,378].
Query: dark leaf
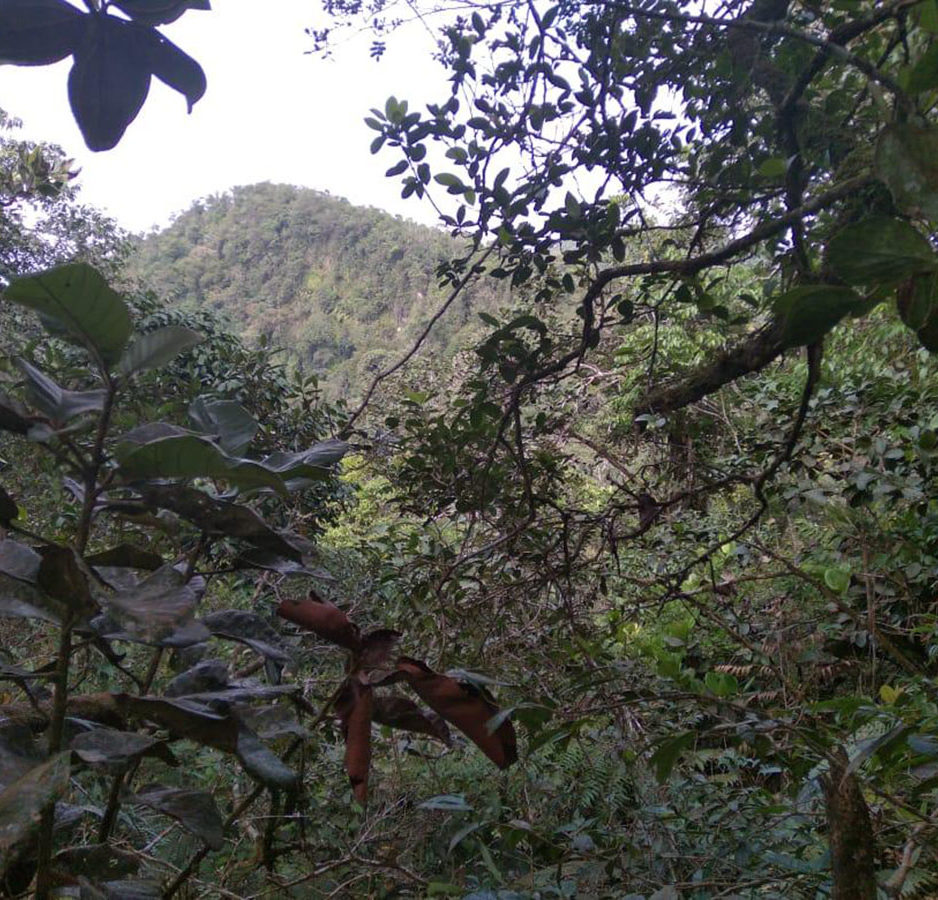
[207,675]
[234,426]
[262,764]
[157,348]
[13,417]
[109,81]
[668,753]
[8,509]
[115,750]
[22,801]
[907,161]
[465,707]
[38,32]
[271,722]
[157,608]
[190,456]
[62,575]
[19,752]
[172,66]
[880,250]
[323,618]
[97,861]
[248,628]
[126,556]
[78,298]
[809,312]
[219,517]
[159,12]
[184,719]
[404,714]
[19,561]
[137,889]
[55,402]
[194,810]
[21,600]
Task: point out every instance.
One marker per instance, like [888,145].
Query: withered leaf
[196,811]
[354,708]
[463,706]
[404,714]
[323,618]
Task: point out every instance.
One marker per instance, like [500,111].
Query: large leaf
[880,250]
[109,81]
[809,312]
[38,32]
[189,456]
[22,802]
[271,722]
[55,402]
[115,750]
[464,706]
[205,675]
[19,561]
[323,618]
[19,751]
[248,628]
[8,508]
[196,811]
[376,661]
[917,301]
[157,348]
[669,751]
[99,861]
[220,517]
[172,66]
[230,421]
[159,12]
[907,161]
[21,600]
[303,469]
[194,721]
[13,416]
[63,576]
[78,298]
[157,608]
[404,714]
[126,556]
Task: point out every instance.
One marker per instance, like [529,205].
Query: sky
[272,112]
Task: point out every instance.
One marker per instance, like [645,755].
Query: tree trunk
[853,847]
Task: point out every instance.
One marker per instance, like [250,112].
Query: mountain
[344,289]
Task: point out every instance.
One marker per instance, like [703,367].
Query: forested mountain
[343,288]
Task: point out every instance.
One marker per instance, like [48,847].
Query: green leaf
[447,803]
[838,580]
[809,312]
[774,167]
[79,300]
[157,348]
[196,811]
[721,683]
[923,76]
[917,302]
[189,456]
[666,756]
[907,161]
[880,250]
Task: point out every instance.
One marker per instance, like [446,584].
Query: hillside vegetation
[343,288]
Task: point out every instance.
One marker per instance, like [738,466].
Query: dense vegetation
[674,503]
[344,289]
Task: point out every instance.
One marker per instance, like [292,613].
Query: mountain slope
[344,289]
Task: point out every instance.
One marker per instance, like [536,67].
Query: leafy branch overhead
[373,664]
[114,57]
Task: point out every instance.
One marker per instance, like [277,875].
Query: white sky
[271,113]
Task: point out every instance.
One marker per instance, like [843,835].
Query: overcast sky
[271,113]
